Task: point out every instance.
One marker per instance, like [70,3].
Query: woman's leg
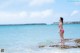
[62,38]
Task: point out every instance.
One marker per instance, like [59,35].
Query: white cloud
[39,2]
[77,3]
[9,14]
[24,17]
[27,2]
[23,14]
[74,12]
[7,3]
[12,18]
[42,14]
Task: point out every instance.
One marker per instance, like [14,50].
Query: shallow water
[24,37]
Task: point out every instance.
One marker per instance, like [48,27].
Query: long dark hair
[61,18]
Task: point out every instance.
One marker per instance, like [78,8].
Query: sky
[38,11]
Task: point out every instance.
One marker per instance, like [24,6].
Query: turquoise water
[27,35]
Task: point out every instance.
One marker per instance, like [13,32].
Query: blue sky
[38,11]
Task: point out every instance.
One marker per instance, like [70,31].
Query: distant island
[23,24]
[75,22]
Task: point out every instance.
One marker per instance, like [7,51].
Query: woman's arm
[61,26]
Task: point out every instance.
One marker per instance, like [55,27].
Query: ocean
[26,38]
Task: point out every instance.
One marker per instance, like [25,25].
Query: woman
[61,31]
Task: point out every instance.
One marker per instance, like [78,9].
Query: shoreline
[46,48]
[69,43]
[33,24]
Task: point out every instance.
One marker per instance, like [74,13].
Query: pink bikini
[61,30]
